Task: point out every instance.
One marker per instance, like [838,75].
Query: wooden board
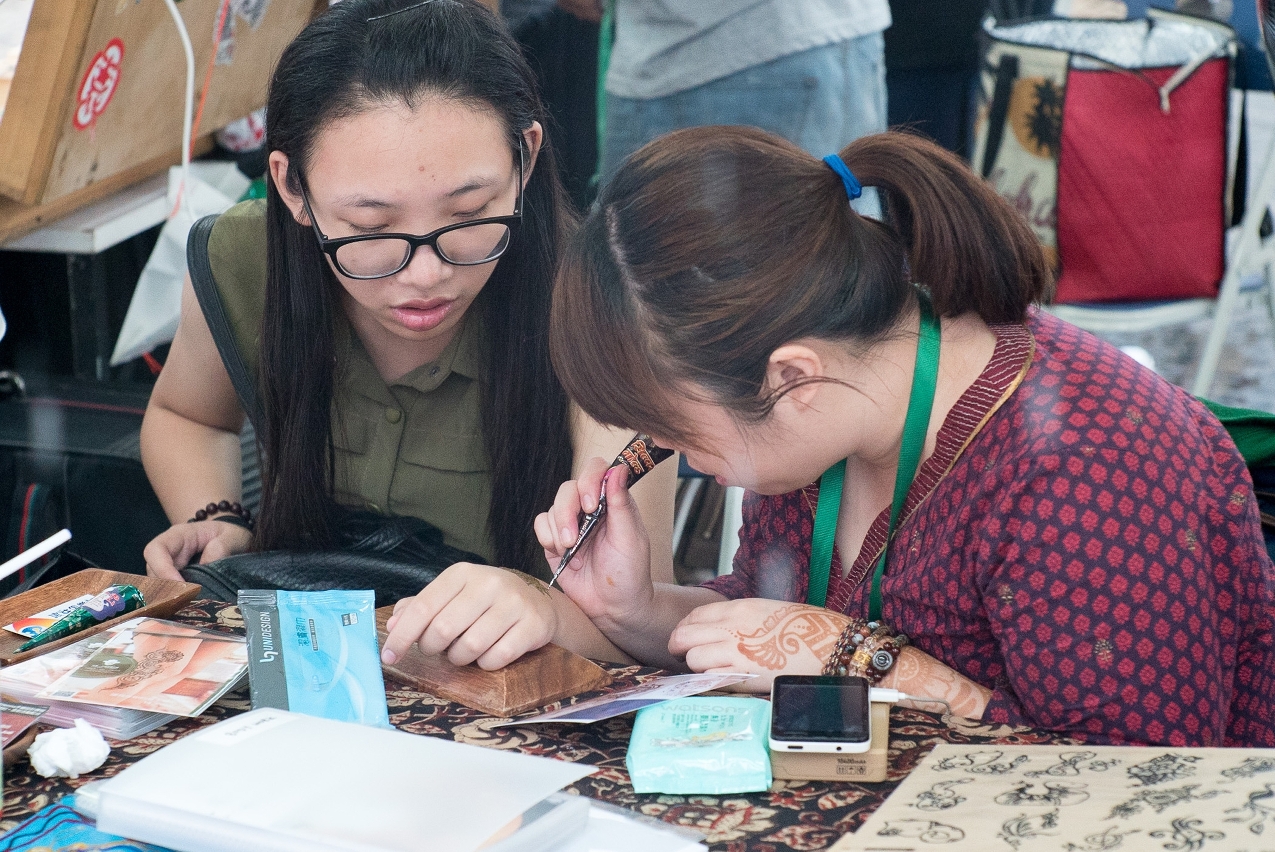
[42,82]
[18,219]
[163,598]
[48,155]
[539,678]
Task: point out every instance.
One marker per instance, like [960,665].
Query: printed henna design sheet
[155,665]
[1078,799]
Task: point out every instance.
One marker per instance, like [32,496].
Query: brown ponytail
[713,246]
[965,243]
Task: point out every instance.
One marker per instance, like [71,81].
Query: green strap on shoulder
[915,426]
[825,533]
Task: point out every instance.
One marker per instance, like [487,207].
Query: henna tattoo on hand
[917,673]
[538,585]
[787,631]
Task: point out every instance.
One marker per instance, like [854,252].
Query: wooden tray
[164,597]
[537,679]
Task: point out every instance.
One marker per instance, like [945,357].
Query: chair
[1250,256]
[689,505]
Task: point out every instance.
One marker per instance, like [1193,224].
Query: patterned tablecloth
[791,816]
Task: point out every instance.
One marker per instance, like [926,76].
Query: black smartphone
[820,713]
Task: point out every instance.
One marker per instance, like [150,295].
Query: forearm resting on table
[644,632]
[189,464]
[917,673]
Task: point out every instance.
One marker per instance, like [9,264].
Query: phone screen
[820,709]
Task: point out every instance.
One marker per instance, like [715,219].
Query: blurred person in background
[812,71]
[931,61]
[560,41]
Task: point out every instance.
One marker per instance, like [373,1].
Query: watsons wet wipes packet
[703,745]
[315,653]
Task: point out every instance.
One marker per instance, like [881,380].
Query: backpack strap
[201,276]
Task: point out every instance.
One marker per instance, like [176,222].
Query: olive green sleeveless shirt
[413,447]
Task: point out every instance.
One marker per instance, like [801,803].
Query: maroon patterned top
[1084,542]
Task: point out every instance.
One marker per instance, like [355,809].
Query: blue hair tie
[853,188]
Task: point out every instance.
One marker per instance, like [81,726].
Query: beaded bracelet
[866,649]
[236,509]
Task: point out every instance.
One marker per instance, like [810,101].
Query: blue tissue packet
[704,745]
[315,653]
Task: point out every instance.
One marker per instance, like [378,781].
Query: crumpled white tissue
[69,752]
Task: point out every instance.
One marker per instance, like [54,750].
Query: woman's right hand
[173,549]
[610,577]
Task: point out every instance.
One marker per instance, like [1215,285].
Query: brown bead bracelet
[225,506]
[866,649]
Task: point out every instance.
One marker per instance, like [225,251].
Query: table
[791,816]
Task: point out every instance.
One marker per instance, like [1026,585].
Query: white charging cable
[188,114]
[893,696]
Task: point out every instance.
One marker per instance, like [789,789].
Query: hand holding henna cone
[639,457]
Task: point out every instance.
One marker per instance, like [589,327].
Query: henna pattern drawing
[1259,808]
[925,830]
[1069,765]
[786,631]
[1057,793]
[1250,767]
[941,796]
[1159,800]
[981,763]
[148,666]
[1186,835]
[538,585]
[1027,826]
[1166,767]
[1109,839]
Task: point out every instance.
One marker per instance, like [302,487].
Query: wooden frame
[49,155]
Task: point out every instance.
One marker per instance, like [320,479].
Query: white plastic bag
[156,306]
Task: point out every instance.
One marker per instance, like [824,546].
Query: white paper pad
[611,831]
[654,691]
[278,781]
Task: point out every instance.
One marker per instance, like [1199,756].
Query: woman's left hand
[476,613]
[758,636]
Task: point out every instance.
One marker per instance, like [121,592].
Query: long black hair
[364,52]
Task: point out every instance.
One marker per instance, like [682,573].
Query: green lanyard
[915,425]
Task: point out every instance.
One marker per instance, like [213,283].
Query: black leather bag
[395,557]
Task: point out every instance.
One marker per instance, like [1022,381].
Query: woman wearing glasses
[390,298]
[1033,527]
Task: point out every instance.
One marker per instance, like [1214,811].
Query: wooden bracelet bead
[222,508]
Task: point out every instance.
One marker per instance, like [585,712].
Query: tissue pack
[705,745]
[315,653]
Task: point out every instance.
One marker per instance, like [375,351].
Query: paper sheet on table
[273,781]
[655,691]
[971,798]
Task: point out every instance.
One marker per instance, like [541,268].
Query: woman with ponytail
[390,299]
[954,494]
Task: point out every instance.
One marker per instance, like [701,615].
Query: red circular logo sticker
[98,86]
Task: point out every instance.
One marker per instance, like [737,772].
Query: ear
[533,138]
[792,366]
[278,167]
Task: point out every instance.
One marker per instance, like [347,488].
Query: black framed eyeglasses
[472,243]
